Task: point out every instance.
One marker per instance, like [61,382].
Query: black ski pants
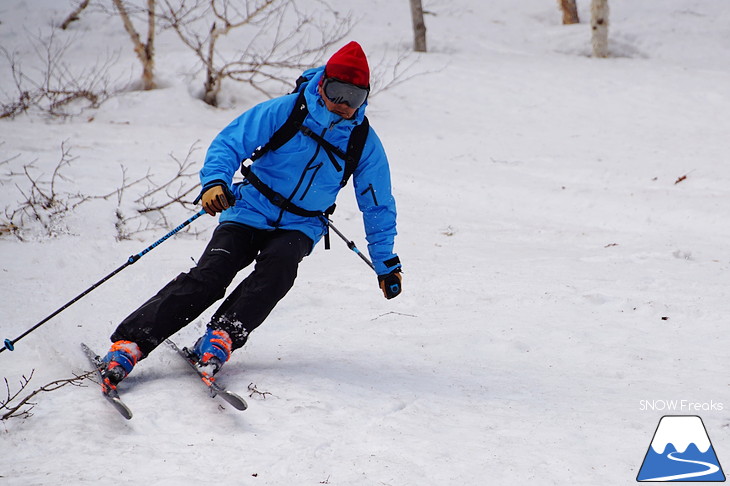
[232,247]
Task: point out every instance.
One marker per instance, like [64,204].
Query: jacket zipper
[301,180]
[315,169]
[371,190]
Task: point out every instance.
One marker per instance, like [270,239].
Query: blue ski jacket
[302,171]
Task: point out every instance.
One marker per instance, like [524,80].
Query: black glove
[390,283]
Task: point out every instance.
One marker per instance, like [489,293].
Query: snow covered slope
[557,271]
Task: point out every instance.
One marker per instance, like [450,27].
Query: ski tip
[122,408]
[85,347]
[111,396]
[237,402]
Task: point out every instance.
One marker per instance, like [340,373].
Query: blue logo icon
[681,451]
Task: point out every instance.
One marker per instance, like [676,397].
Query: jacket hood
[318,110]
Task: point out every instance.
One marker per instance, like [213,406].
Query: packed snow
[562,226]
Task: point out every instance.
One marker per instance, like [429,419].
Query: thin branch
[74,16]
[184,173]
[254,391]
[55,86]
[16,410]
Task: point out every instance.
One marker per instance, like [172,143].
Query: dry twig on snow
[22,407]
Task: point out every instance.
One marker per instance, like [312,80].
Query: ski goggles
[340,92]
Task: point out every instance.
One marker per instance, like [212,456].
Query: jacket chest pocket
[308,178]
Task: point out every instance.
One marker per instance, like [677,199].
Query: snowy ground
[557,275]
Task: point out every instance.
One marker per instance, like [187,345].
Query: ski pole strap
[328,212]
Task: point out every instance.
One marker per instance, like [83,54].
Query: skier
[273,217]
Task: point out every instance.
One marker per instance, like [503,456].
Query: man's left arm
[377,204]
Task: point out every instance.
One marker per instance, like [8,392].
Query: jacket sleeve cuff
[388,266]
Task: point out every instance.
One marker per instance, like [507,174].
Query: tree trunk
[211,88]
[599,26]
[145,52]
[419,26]
[148,60]
[570,12]
[213,78]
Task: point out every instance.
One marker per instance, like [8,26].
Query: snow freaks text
[681,406]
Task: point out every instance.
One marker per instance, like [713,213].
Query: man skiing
[274,217]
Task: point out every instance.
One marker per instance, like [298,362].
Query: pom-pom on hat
[350,65]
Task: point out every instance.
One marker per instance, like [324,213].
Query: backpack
[295,123]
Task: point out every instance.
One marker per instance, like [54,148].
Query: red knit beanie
[350,65]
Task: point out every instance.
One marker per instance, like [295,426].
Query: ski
[111,394]
[214,388]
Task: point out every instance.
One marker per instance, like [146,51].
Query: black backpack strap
[355,146]
[298,84]
[330,150]
[286,131]
[274,197]
[293,124]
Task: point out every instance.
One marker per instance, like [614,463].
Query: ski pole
[10,343]
[350,244]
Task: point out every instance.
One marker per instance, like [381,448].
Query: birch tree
[419,26]
[145,50]
[599,27]
[570,12]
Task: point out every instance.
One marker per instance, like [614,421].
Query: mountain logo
[681,451]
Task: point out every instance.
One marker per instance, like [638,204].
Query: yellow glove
[215,201]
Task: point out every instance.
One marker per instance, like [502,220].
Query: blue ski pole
[10,343]
[350,244]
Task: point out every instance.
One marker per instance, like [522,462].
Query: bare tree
[599,26]
[271,36]
[52,85]
[419,26]
[570,11]
[145,50]
[46,202]
[151,208]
